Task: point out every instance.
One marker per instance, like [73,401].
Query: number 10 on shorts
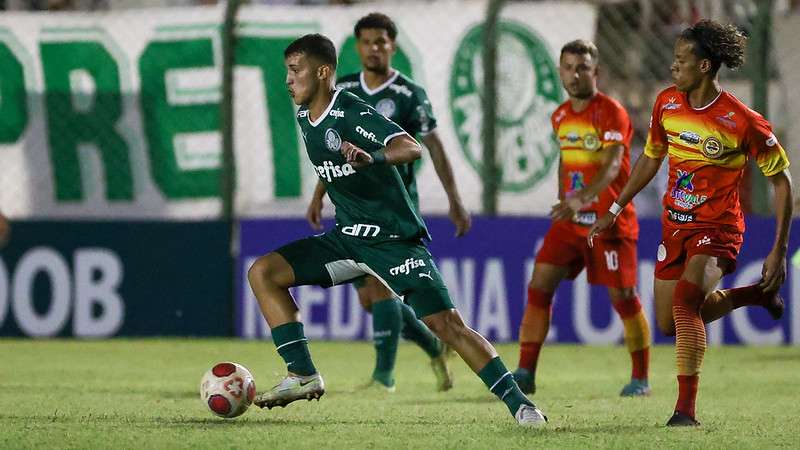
[612,260]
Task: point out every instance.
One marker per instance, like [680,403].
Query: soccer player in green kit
[398,98]
[354,150]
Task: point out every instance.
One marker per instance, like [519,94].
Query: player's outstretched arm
[402,149]
[314,211]
[774,272]
[458,214]
[643,171]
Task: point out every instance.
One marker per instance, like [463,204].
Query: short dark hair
[376,20]
[580,47]
[719,43]
[314,46]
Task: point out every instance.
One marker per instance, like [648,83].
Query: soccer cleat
[775,306]
[530,416]
[525,380]
[377,386]
[680,419]
[441,369]
[636,388]
[291,388]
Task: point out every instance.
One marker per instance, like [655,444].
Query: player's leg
[270,278]
[561,256]
[536,321]
[388,314]
[416,331]
[408,268]
[663,293]
[613,263]
[386,324]
[717,304]
[701,274]
[483,359]
[637,338]
[722,301]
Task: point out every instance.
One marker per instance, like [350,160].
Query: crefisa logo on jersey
[386,107]
[712,147]
[367,134]
[332,140]
[530,92]
[407,266]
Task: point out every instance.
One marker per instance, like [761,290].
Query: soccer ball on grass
[227,389]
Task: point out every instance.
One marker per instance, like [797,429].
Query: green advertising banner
[117,115]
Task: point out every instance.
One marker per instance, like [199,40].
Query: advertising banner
[487,272]
[103,279]
[117,114]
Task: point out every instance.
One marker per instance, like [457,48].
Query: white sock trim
[499,380]
[290,342]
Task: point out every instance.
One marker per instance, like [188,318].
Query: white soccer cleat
[530,416]
[292,388]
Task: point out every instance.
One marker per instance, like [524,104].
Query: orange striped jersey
[708,149]
[583,137]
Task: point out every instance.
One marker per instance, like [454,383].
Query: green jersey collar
[325,113]
[386,84]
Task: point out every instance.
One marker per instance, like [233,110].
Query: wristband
[378,157]
[615,209]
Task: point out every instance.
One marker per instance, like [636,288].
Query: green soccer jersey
[402,101]
[371,202]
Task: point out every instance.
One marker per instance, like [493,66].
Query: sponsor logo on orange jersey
[683,192]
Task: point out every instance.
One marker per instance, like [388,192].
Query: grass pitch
[144,394]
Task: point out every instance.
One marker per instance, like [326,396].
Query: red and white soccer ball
[227,389]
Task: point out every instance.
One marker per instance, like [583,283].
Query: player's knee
[265,270]
[622,294]
[447,325]
[365,300]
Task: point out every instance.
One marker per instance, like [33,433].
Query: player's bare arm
[314,211]
[774,272]
[643,171]
[458,214]
[401,149]
[608,171]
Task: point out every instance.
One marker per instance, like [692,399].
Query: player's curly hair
[376,20]
[719,43]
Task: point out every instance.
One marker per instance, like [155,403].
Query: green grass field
[143,394]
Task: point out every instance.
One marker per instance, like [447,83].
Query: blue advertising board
[103,279]
[487,272]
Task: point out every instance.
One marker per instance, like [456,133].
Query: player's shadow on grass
[171,394]
[600,429]
[476,400]
[265,420]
